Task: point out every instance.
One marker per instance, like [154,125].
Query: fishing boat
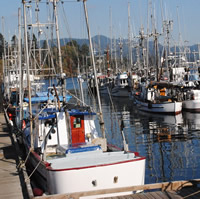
[67,148]
[159,97]
[191,100]
[121,87]
[64,149]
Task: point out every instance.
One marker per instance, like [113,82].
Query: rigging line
[69,1]
[115,114]
[92,96]
[75,50]
[47,1]
[33,171]
[78,99]
[21,164]
[50,53]
[41,111]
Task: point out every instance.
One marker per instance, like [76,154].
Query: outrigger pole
[94,68]
[59,51]
[28,73]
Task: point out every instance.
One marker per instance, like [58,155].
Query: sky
[110,18]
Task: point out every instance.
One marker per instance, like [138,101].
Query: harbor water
[171,144]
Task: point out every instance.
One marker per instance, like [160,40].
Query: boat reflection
[170,143]
[192,120]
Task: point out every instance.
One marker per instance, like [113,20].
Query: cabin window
[77,123]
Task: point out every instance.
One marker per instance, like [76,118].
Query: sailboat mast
[59,50]
[94,68]
[28,73]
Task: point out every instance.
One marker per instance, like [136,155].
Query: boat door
[77,129]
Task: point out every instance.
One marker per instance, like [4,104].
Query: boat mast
[5,62]
[147,51]
[28,73]
[20,67]
[115,50]
[129,39]
[59,50]
[111,58]
[94,68]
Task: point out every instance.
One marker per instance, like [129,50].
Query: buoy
[10,116]
[23,124]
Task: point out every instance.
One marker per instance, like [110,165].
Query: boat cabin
[70,128]
[193,94]
[122,80]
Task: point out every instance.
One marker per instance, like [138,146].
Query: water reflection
[170,143]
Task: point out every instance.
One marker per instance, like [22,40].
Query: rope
[122,133]
[33,171]
[78,99]
[22,164]
[41,110]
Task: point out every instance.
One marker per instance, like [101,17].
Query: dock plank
[9,176]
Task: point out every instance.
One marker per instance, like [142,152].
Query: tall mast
[94,68]
[121,53]
[147,51]
[59,50]
[4,56]
[115,48]
[39,31]
[20,67]
[28,73]
[111,36]
[129,39]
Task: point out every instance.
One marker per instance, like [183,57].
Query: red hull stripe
[101,165]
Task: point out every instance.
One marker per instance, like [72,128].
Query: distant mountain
[102,42]
[79,41]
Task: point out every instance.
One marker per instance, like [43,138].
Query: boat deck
[92,158]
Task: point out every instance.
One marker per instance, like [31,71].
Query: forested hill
[71,48]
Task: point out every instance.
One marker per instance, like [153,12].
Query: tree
[2,43]
[34,42]
[70,57]
[84,52]
[14,42]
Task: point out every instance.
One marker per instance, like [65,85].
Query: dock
[12,185]
[165,190]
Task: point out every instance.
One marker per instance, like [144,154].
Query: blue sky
[187,11]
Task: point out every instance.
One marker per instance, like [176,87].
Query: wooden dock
[12,184]
[166,190]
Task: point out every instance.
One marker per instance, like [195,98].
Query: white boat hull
[109,176]
[89,171]
[167,107]
[191,105]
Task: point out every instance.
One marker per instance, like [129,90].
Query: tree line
[73,54]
